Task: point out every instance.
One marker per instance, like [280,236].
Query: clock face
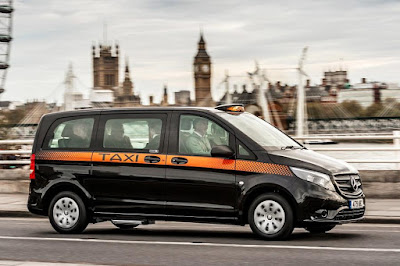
[196,69]
[205,68]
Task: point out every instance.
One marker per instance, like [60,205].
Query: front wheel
[271,217]
[319,228]
[67,213]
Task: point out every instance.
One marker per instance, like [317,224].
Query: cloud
[160,38]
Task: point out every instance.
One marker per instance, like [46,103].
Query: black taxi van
[217,165]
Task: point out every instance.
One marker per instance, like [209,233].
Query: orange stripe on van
[204,162]
[193,161]
[64,156]
[259,167]
[229,164]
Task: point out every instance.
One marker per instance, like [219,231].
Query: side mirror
[222,151]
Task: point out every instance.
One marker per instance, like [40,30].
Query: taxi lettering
[119,157]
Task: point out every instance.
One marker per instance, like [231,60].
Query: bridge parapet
[349,125]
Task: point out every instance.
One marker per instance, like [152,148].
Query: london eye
[6,11]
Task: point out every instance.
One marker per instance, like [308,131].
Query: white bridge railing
[395,137]
[15,142]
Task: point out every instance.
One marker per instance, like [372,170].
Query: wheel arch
[262,189]
[66,186]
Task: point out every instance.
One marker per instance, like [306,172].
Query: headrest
[186,123]
[67,131]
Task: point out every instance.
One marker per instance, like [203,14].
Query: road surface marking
[200,244]
[37,263]
[366,230]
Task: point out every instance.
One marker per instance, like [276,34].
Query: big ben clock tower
[202,75]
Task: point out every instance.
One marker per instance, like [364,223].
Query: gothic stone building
[107,88]
[106,76]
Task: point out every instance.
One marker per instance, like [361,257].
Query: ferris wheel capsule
[6,12]
[7,9]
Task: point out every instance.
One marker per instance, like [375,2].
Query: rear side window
[133,133]
[74,133]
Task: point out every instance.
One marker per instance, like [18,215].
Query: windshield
[263,133]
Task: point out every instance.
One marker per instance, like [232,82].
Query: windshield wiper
[293,148]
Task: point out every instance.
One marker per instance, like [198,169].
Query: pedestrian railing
[5,160]
[395,137]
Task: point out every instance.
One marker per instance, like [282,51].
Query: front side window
[243,151]
[198,135]
[133,133]
[76,134]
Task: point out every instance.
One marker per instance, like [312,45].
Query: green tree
[391,108]
[354,108]
[373,110]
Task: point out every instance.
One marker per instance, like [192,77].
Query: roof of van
[126,109]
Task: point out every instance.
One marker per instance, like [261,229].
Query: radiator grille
[349,185]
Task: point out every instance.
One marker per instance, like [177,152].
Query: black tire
[319,228]
[288,224]
[82,219]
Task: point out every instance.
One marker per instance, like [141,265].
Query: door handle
[179,160]
[152,159]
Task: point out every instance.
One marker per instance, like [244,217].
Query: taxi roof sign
[231,108]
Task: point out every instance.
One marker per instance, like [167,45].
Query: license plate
[356,204]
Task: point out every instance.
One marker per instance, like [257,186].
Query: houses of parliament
[109,92]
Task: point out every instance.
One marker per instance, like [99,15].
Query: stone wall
[381,184]
[14,181]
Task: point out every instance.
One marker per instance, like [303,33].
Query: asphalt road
[168,243]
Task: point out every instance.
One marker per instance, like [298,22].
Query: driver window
[198,135]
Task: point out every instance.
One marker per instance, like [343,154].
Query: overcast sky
[160,38]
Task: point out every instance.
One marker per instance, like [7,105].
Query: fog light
[322,213]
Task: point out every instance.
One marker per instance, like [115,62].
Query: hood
[311,160]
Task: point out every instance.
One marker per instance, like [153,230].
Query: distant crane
[228,98]
[301,116]
[258,79]
[261,99]
[269,96]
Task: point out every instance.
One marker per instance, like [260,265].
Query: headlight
[318,178]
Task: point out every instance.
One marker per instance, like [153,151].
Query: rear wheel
[271,217]
[67,213]
[319,228]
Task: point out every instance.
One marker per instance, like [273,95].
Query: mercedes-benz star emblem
[353,183]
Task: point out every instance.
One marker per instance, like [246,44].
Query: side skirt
[106,216]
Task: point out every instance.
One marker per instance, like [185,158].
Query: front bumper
[341,215]
[321,205]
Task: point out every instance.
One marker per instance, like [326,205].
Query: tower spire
[201,36]
[126,65]
[164,101]
[202,43]
[127,69]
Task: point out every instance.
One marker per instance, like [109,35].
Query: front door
[129,164]
[199,185]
